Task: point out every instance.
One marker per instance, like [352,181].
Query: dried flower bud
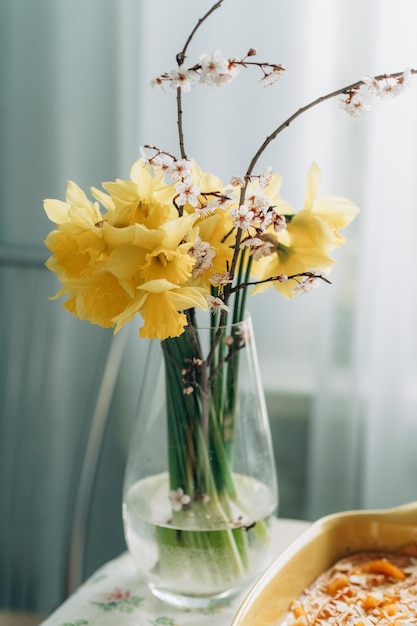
[252,52]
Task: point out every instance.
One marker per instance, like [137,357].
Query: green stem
[200,449]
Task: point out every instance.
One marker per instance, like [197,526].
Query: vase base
[183,601]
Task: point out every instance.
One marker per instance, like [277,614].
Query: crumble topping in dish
[366,589]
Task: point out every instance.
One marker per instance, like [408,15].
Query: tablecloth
[115,595]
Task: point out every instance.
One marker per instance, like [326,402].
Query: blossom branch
[348,90]
[280,278]
[180,60]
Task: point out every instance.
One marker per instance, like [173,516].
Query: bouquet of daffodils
[173,239]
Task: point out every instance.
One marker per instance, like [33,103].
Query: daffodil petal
[56,210]
[188,297]
[161,319]
[313,185]
[177,229]
[158,286]
[338,212]
[125,260]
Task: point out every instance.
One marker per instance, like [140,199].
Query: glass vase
[200,486]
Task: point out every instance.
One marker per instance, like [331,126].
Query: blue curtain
[69,110]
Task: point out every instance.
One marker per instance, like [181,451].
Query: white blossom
[270,78]
[383,87]
[158,82]
[387,86]
[179,499]
[187,194]
[228,196]
[217,202]
[237,181]
[215,69]
[203,253]
[355,104]
[242,216]
[233,66]
[257,201]
[206,209]
[279,221]
[183,78]
[391,89]
[262,221]
[252,242]
[405,79]
[311,281]
[181,169]
[265,177]
[371,85]
[265,249]
[216,304]
[220,278]
[164,161]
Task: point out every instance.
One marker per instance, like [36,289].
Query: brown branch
[279,279]
[289,120]
[180,57]
[180,124]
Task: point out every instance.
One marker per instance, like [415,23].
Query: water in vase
[201,550]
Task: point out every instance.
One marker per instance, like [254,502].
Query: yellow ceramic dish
[326,541]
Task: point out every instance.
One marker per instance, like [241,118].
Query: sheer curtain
[76,103]
[68,110]
[365,414]
[350,348]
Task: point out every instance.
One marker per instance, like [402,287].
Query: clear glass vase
[200,487]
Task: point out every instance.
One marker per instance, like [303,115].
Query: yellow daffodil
[78,244]
[76,252]
[173,265]
[144,199]
[77,209]
[157,253]
[146,254]
[337,212]
[159,302]
[99,299]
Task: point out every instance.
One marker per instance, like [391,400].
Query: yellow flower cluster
[310,237]
[131,250]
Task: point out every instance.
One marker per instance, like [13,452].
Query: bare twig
[180,60]
[278,279]
[344,90]
[181,55]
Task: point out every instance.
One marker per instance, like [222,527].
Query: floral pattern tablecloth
[115,595]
